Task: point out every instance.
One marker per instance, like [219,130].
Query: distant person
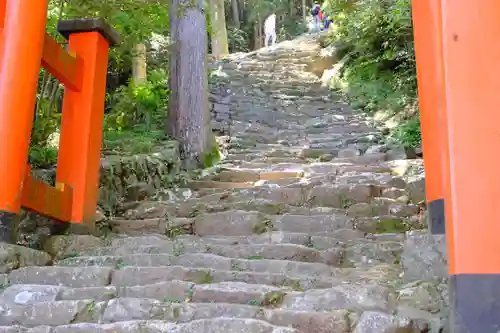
[315,12]
[321,18]
[328,21]
[270,29]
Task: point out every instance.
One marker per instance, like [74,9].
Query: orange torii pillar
[459,72]
[24,47]
[21,45]
[427,32]
[471,56]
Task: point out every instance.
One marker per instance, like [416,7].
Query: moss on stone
[266,225]
[274,208]
[386,226]
[211,157]
[273,299]
[294,284]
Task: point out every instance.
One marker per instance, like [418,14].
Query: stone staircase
[302,229]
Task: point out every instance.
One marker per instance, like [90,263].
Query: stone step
[184,318]
[208,254]
[256,246]
[239,175]
[263,65]
[212,325]
[204,184]
[307,275]
[288,82]
[158,282]
[15,256]
[266,68]
[276,73]
[247,223]
[180,254]
[305,197]
[305,56]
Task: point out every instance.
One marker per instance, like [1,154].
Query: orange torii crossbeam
[24,47]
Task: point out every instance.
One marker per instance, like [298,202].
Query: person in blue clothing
[328,21]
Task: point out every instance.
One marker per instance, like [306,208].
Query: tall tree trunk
[139,76]
[236,13]
[189,116]
[242,7]
[291,10]
[257,44]
[260,29]
[219,33]
[139,63]
[304,11]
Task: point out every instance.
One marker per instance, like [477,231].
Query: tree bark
[139,64]
[259,30]
[242,6]
[189,116]
[256,36]
[236,13]
[304,11]
[219,33]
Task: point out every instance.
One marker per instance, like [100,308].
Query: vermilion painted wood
[427,31]
[21,46]
[67,68]
[81,127]
[82,70]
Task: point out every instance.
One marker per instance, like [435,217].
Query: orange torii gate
[458,71]
[24,47]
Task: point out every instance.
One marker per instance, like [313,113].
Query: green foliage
[135,123]
[212,157]
[137,112]
[376,38]
[135,20]
[290,27]
[238,40]
[134,141]
[408,133]
[143,104]
[43,153]
[46,122]
[42,157]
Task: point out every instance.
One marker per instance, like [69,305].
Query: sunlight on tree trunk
[236,13]
[219,32]
[257,33]
[260,27]
[256,37]
[189,116]
[242,8]
[139,63]
[304,11]
[291,10]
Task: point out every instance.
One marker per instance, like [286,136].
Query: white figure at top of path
[270,29]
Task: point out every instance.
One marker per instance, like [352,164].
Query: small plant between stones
[206,278]
[266,225]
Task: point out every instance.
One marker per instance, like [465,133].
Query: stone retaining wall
[138,176]
[220,109]
[122,178]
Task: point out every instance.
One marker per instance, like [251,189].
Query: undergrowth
[133,123]
[375,41]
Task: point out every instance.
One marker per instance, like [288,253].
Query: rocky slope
[310,226]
